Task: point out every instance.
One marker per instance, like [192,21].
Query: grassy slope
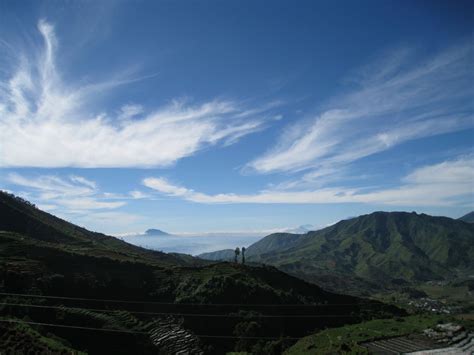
[345,339]
[276,242]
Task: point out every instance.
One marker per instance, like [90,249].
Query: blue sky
[236,116]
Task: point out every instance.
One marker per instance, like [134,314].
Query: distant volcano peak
[155,232]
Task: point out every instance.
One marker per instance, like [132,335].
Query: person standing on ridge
[237,252]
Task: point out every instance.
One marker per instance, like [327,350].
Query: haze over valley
[199,243]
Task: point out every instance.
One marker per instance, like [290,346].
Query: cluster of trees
[18,198]
[238,252]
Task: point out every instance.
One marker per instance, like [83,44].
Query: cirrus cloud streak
[444,184]
[45,122]
[397,99]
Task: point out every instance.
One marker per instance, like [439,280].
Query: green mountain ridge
[469,217]
[275,242]
[375,250]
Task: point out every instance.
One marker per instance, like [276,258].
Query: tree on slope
[237,252]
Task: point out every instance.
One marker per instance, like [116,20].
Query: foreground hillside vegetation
[95,282]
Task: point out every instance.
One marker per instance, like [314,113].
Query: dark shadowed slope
[21,217]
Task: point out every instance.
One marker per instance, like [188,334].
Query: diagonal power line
[135,332]
[374,303]
[180,314]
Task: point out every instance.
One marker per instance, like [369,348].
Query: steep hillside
[383,247]
[20,216]
[44,255]
[276,242]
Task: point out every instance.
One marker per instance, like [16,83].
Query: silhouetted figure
[243,255]
[237,252]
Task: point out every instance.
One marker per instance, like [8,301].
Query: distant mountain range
[382,249]
[469,218]
[267,244]
[275,242]
[41,254]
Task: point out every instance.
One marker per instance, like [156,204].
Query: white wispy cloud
[65,194]
[51,186]
[397,99]
[447,183]
[137,194]
[442,184]
[78,199]
[328,195]
[46,122]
